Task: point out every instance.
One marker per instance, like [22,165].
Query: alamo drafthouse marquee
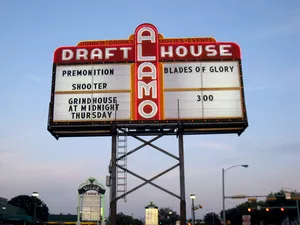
[147,80]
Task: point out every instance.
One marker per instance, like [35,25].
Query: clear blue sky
[32,160]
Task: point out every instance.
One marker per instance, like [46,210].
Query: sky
[32,160]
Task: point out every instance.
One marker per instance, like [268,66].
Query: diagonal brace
[146,182]
[139,147]
[149,182]
[157,148]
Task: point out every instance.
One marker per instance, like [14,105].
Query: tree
[27,203]
[273,216]
[167,216]
[137,222]
[212,219]
[123,219]
[235,215]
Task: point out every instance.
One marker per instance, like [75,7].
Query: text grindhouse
[93,108]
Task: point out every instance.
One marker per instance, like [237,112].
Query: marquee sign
[91,187]
[147,83]
[90,201]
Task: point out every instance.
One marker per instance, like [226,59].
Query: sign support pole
[113,203]
[78,210]
[182,179]
[102,209]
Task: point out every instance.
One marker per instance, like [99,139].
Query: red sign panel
[166,51]
[147,85]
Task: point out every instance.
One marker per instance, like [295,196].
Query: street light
[170,213]
[35,195]
[297,203]
[193,197]
[223,188]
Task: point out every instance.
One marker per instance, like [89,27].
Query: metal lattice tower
[122,174]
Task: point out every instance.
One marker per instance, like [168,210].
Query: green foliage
[27,203]
[167,216]
[274,216]
[123,219]
[212,219]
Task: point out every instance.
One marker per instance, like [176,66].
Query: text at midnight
[93,108]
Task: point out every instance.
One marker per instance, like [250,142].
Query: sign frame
[147,127]
[91,184]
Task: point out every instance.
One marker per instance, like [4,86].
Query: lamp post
[3,209]
[170,214]
[297,202]
[35,195]
[193,196]
[223,188]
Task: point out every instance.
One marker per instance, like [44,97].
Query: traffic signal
[198,207]
[252,199]
[249,209]
[282,209]
[267,209]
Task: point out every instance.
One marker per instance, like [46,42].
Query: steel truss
[114,166]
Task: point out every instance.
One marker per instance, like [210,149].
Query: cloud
[34,78]
[210,145]
[20,161]
[290,26]
[255,88]
[10,146]
[6,156]
[286,29]
[288,148]
[6,153]
[8,150]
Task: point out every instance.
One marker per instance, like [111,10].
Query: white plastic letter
[143,113]
[108,54]
[225,52]
[163,51]
[96,53]
[200,50]
[144,58]
[151,37]
[125,51]
[67,54]
[81,53]
[142,74]
[143,86]
[211,51]
[179,48]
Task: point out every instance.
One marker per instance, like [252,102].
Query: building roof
[16,217]
[62,218]
[10,212]
[151,205]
